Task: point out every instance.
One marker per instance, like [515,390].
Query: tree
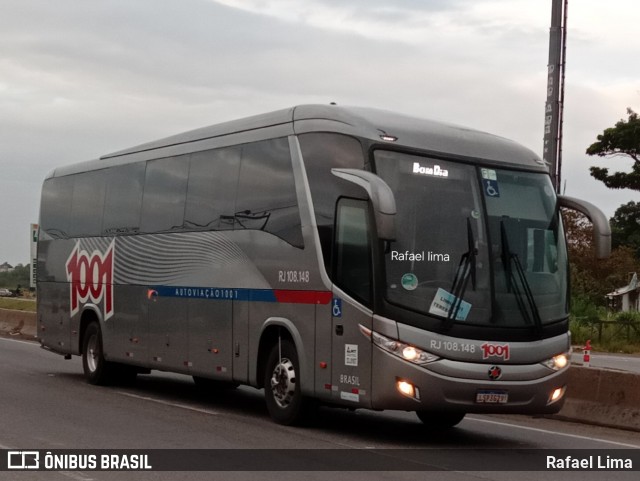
[625,227]
[17,277]
[591,278]
[621,140]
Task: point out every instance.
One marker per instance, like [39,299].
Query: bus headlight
[402,350]
[557,362]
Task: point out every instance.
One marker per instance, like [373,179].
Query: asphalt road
[46,404]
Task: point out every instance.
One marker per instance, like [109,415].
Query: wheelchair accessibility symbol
[491,188]
[336,309]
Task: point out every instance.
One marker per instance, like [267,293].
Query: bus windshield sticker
[489,174]
[443,303]
[409,281]
[490,183]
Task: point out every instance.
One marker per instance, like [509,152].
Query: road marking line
[167,403]
[576,436]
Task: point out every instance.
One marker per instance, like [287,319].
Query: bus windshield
[474,245]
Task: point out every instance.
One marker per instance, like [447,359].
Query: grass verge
[18,304]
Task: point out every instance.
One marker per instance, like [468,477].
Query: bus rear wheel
[440,420]
[96,368]
[283,396]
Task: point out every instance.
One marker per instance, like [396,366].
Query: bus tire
[97,370]
[283,396]
[440,420]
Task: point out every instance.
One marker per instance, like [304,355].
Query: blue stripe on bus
[214,293]
[284,296]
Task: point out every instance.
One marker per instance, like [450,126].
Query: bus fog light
[557,394]
[408,389]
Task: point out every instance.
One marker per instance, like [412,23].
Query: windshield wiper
[466,270]
[507,258]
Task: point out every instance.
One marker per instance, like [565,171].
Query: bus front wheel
[285,402]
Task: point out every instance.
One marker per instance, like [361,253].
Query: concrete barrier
[18,323]
[594,396]
[603,396]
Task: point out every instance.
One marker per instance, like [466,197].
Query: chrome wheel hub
[283,382]
[92,353]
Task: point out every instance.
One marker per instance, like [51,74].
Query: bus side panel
[351,373]
[209,338]
[323,336]
[126,334]
[54,328]
[241,342]
[168,341]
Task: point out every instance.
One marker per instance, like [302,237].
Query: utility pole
[554,105]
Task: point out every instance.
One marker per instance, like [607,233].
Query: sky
[83,78]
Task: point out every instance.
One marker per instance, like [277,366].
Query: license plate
[492,397]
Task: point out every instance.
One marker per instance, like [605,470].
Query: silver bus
[342,256]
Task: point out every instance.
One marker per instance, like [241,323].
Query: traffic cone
[586,357]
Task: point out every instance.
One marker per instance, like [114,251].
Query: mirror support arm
[381,195]
[601,228]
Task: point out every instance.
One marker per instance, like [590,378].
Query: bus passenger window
[267,193]
[211,189]
[87,204]
[55,206]
[123,199]
[165,191]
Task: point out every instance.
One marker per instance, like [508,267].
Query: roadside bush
[628,317]
[18,277]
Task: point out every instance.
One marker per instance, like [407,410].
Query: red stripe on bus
[303,297]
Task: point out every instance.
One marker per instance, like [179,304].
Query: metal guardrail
[630,328]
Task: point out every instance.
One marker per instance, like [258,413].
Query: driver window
[353,249]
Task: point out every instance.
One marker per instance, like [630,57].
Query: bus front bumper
[398,384]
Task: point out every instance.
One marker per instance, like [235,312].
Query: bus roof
[375,125]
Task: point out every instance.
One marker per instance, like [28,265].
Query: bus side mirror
[601,228]
[381,195]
